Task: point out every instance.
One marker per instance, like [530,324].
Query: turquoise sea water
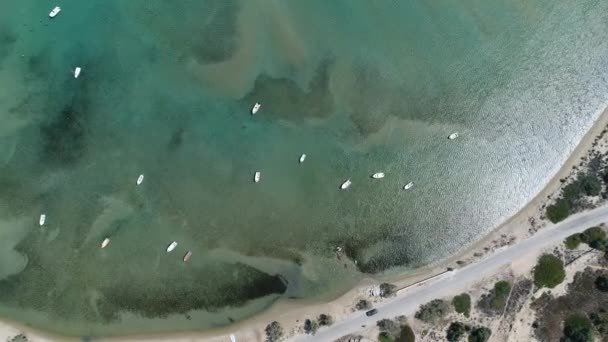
[359,86]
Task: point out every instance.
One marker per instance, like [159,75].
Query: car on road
[371,312]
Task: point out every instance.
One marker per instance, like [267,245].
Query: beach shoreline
[291,313]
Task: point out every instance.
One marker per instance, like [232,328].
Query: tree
[432,311]
[462,304]
[549,271]
[406,335]
[593,234]
[481,334]
[456,331]
[577,328]
[573,241]
[325,320]
[601,283]
[274,332]
[387,290]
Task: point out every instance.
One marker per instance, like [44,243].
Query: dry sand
[291,314]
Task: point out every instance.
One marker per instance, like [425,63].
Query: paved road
[408,301]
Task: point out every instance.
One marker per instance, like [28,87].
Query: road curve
[408,301]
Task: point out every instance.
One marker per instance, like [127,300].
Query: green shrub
[577,328]
[325,320]
[456,331]
[558,211]
[549,271]
[384,337]
[495,301]
[274,332]
[481,334]
[601,283]
[600,321]
[593,234]
[406,335]
[387,290]
[462,304]
[573,241]
[590,185]
[432,311]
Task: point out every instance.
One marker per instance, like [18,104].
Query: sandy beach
[291,313]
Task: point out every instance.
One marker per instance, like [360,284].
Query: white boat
[55,11]
[77,72]
[408,185]
[255,108]
[453,136]
[172,246]
[232,338]
[346,184]
[302,158]
[42,219]
[105,242]
[257,176]
[378,175]
[140,179]
[187,256]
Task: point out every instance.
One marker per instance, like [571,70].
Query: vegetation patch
[456,331]
[572,196]
[462,304]
[494,302]
[549,271]
[432,311]
[577,328]
[363,305]
[387,290]
[274,332]
[480,334]
[573,241]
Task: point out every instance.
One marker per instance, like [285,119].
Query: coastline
[291,313]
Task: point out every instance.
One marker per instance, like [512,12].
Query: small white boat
[105,242]
[453,136]
[42,219]
[255,108]
[302,158]
[55,11]
[172,246]
[77,72]
[257,176]
[232,338]
[378,175]
[346,184]
[408,185]
[140,179]
[187,256]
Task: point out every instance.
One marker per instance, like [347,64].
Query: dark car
[371,312]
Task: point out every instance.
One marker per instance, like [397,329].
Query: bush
[456,331]
[573,241]
[558,211]
[600,245]
[600,321]
[601,283]
[387,290]
[481,334]
[274,332]
[462,304]
[549,271]
[363,305]
[388,326]
[495,301]
[577,328]
[310,327]
[593,234]
[325,320]
[432,311]
[406,335]
[590,185]
[384,337]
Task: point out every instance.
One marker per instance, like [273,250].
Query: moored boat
[378,175]
[187,256]
[140,179]
[42,220]
[105,242]
[302,157]
[55,11]
[77,72]
[346,184]
[256,108]
[172,246]
[453,136]
[408,185]
[257,176]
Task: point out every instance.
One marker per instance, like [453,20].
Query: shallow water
[358,86]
